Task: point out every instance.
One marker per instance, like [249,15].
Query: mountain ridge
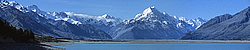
[224,27]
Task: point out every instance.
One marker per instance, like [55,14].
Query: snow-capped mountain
[224,27]
[45,23]
[103,22]
[152,24]
[195,23]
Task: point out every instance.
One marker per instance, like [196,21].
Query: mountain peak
[245,11]
[150,10]
[151,14]
[33,8]
[248,9]
[199,18]
[152,7]
[12,3]
[106,16]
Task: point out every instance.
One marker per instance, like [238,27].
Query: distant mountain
[152,24]
[103,22]
[46,23]
[224,27]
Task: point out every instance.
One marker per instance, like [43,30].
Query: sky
[127,9]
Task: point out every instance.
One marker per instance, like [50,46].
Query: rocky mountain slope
[224,27]
[27,18]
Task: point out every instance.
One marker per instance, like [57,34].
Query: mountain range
[150,24]
[40,24]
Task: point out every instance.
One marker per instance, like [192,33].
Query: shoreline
[27,46]
[141,42]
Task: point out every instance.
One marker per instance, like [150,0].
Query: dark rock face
[225,27]
[47,27]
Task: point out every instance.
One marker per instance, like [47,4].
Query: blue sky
[127,9]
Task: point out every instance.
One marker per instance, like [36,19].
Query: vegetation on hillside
[11,33]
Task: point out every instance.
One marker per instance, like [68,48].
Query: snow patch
[34,10]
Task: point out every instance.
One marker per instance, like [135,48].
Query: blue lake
[159,46]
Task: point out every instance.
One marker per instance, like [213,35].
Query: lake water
[159,46]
